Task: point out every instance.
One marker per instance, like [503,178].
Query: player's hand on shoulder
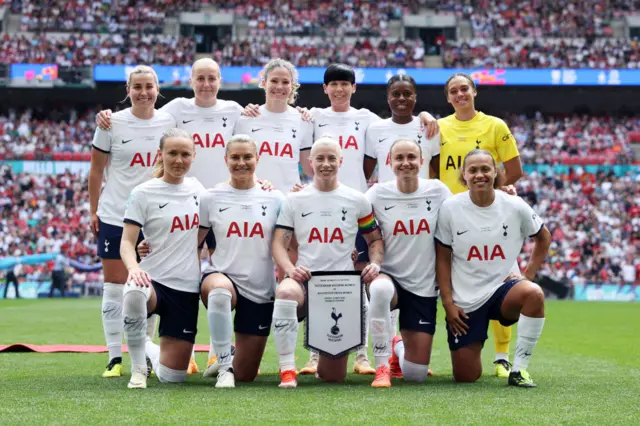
[103,119]
[251,110]
[370,272]
[143,249]
[429,123]
[138,277]
[298,187]
[455,318]
[306,114]
[510,189]
[265,185]
[299,274]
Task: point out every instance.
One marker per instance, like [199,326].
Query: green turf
[585,366]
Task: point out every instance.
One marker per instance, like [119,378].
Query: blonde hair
[325,141]
[158,170]
[235,139]
[281,63]
[142,69]
[397,141]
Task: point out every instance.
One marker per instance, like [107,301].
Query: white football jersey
[210,128]
[326,224]
[349,129]
[170,217]
[243,222]
[382,134]
[408,223]
[485,241]
[280,137]
[132,145]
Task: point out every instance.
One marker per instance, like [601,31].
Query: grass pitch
[585,365]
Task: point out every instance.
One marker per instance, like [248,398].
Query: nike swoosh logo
[306,214]
[185,331]
[255,130]
[463,232]
[187,121]
[221,210]
[127,141]
[423,322]
[382,140]
[262,327]
[322,125]
[162,206]
[389,208]
[442,143]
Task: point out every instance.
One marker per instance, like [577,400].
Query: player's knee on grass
[467,364]
[169,375]
[332,370]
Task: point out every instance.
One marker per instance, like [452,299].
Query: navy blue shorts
[479,319]
[362,247]
[178,312]
[251,318]
[417,313]
[210,239]
[109,237]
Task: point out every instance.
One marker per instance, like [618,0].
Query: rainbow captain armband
[367,224]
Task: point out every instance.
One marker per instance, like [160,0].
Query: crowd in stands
[539,18]
[594,220]
[542,53]
[90,49]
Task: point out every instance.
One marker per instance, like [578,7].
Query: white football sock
[413,372]
[285,332]
[381,291]
[169,375]
[364,350]
[529,331]
[394,323]
[112,320]
[212,349]
[135,327]
[220,325]
[398,349]
[152,323]
[152,350]
[501,356]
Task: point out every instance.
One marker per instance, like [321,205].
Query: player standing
[407,212]
[461,132]
[325,207]
[123,157]
[166,282]
[243,218]
[480,235]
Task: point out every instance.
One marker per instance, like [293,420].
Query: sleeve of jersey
[443,234]
[285,217]
[366,221]
[531,224]
[172,108]
[307,139]
[505,142]
[205,208]
[102,140]
[369,144]
[135,210]
[434,145]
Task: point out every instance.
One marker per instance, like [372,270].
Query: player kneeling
[325,217]
[241,275]
[407,211]
[166,281]
[480,235]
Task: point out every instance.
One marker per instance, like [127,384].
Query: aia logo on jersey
[209,140]
[185,223]
[482,253]
[414,228]
[351,142]
[451,163]
[323,236]
[276,149]
[144,159]
[243,230]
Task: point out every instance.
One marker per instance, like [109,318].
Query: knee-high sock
[502,339]
[394,323]
[411,371]
[152,323]
[135,327]
[112,320]
[169,375]
[285,332]
[152,350]
[220,326]
[529,331]
[364,350]
[381,291]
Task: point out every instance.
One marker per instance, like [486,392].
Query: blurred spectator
[541,53]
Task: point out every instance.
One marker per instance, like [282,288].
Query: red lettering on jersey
[144,159]
[278,150]
[351,142]
[256,230]
[218,140]
[474,252]
[400,227]
[316,235]
[388,163]
[188,224]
